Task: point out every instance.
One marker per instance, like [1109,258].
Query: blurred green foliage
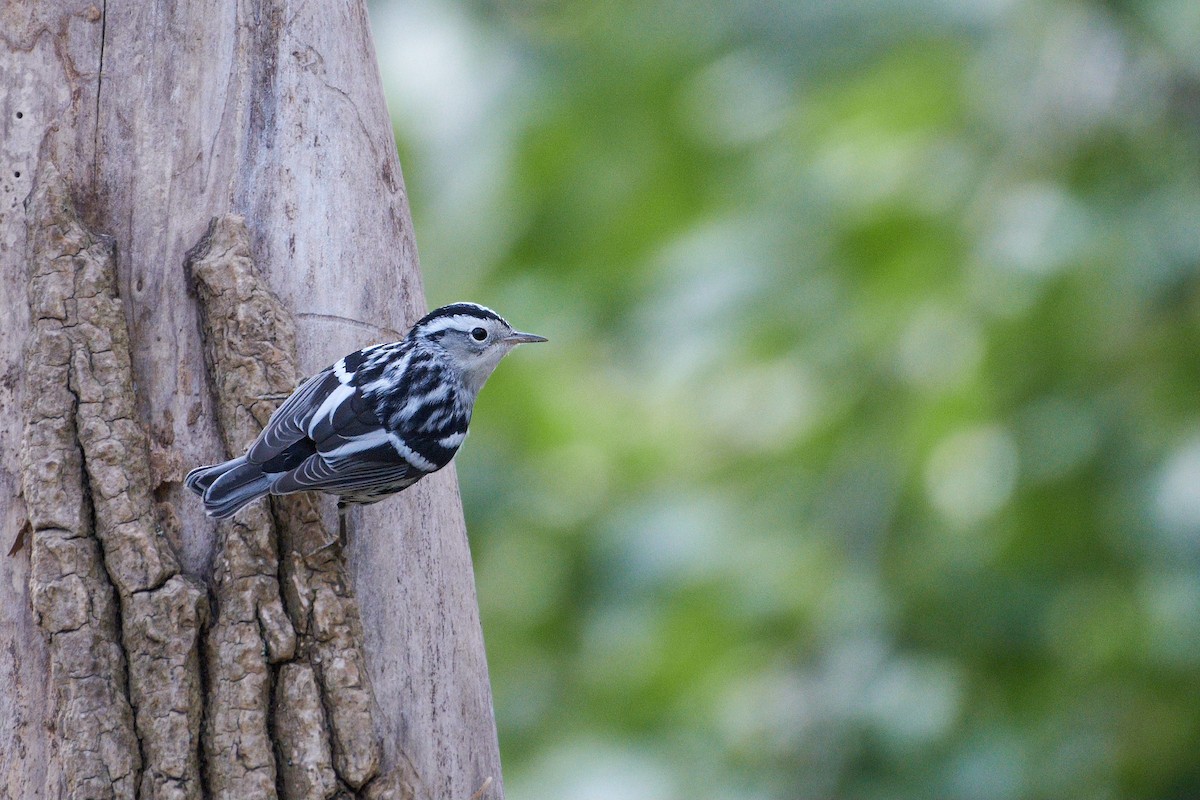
[865,458]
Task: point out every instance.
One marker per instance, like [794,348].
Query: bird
[374,422]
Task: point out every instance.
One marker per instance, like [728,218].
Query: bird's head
[474,338]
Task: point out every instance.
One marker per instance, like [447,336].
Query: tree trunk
[199,204]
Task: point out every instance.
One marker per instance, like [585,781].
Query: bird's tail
[226,487]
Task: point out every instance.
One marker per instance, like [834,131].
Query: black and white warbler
[375,422]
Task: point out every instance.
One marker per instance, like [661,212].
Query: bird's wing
[329,435]
[364,467]
[330,402]
[289,423]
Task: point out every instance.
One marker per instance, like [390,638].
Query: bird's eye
[478,334]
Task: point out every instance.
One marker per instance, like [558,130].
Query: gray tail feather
[199,479]
[229,486]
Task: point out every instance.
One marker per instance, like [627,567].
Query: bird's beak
[516,337]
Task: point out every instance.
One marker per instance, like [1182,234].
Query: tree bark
[200,203]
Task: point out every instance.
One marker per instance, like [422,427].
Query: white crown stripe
[460,322]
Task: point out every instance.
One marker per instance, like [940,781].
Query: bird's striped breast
[415,398]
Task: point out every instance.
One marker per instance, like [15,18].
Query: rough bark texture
[251,630]
[72,595]
[249,347]
[81,414]
[160,117]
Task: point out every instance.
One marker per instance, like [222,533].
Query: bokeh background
[865,458]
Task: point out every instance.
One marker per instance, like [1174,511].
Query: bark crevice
[99,87]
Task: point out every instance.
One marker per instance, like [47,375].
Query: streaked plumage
[373,423]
